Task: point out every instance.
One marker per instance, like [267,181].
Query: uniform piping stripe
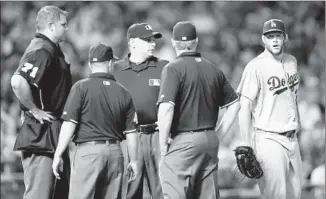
[245,96]
[172,103]
[40,91]
[74,121]
[230,103]
[130,131]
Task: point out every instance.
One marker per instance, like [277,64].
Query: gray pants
[189,169]
[38,177]
[148,155]
[285,161]
[96,172]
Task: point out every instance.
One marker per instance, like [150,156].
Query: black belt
[107,142]
[198,130]
[288,134]
[146,128]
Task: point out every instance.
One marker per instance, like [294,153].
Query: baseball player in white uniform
[268,90]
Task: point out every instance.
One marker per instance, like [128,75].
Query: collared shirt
[197,88]
[101,107]
[44,67]
[264,82]
[143,83]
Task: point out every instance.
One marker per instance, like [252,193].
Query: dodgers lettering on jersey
[278,85]
[265,82]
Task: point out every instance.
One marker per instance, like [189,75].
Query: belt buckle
[142,129]
[145,129]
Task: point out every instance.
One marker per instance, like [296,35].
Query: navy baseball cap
[274,25]
[100,53]
[184,31]
[142,31]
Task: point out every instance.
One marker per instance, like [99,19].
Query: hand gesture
[132,170]
[57,166]
[41,115]
[164,149]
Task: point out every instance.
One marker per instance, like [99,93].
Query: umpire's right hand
[57,166]
[41,115]
[132,170]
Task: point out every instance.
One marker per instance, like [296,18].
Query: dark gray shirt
[101,108]
[143,83]
[198,89]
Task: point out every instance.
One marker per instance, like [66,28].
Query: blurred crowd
[229,35]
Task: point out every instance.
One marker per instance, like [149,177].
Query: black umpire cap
[100,53]
[142,31]
[184,31]
[274,25]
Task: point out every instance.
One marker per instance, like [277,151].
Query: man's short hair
[48,14]
[186,45]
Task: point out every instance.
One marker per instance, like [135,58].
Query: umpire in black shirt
[140,73]
[42,83]
[191,92]
[101,113]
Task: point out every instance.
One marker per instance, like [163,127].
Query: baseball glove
[247,162]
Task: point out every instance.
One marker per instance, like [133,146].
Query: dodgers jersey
[264,82]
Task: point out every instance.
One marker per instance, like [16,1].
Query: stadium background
[229,35]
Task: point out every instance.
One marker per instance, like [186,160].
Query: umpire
[42,83]
[140,73]
[99,111]
[191,92]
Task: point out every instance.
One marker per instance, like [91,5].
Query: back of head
[100,56]
[100,53]
[184,31]
[48,14]
[184,36]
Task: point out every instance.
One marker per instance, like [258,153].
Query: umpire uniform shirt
[101,107]
[143,83]
[44,67]
[197,88]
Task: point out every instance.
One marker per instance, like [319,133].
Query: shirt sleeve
[169,85]
[229,95]
[34,66]
[131,118]
[72,109]
[249,84]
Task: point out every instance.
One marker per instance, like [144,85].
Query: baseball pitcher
[268,90]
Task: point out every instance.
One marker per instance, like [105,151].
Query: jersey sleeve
[169,85]
[249,84]
[229,95]
[34,66]
[72,109]
[131,118]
